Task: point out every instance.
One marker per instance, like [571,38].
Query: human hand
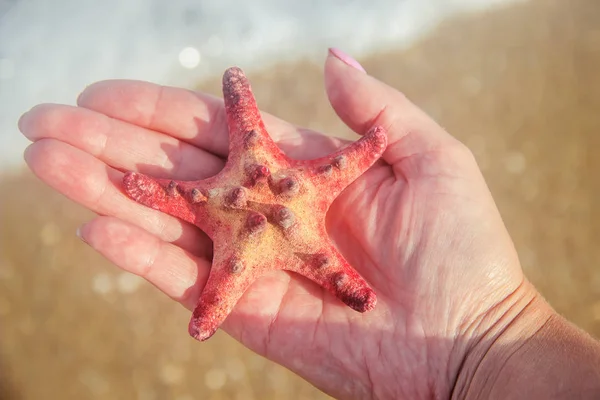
[420,226]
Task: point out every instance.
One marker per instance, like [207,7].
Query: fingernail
[346,59]
[81,97]
[27,153]
[78,233]
[22,123]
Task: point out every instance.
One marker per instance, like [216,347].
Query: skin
[455,316]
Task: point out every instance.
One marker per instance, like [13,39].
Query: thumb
[363,102]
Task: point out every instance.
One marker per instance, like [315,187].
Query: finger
[91,183]
[175,272]
[363,102]
[196,118]
[123,146]
[183,277]
[193,117]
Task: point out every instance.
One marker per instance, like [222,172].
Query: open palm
[420,226]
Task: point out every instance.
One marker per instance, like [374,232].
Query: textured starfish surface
[263,211]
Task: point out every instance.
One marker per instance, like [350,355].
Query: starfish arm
[160,194]
[331,271]
[246,128]
[336,171]
[229,278]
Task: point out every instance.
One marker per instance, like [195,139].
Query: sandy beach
[519,86]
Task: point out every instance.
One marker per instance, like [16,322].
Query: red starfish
[263,211]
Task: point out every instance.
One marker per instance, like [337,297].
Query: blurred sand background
[520,86]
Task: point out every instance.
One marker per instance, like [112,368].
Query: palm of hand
[399,228]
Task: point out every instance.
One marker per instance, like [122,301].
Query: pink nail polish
[346,59]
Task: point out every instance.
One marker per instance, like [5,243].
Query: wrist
[534,353]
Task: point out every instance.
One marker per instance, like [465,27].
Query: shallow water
[50,50]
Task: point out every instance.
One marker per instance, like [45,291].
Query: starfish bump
[263,211]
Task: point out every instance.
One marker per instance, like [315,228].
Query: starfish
[264,211]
